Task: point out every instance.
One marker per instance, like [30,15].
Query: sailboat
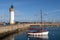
[34,32]
[38,33]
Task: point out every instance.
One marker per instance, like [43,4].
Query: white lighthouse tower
[11,14]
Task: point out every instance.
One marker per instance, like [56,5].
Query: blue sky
[29,10]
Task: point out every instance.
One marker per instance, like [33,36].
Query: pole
[41,16]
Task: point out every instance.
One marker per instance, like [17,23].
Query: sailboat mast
[41,16]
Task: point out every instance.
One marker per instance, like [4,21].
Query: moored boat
[38,33]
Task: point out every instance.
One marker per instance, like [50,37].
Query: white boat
[39,33]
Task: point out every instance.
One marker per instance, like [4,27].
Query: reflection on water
[12,37]
[9,38]
[37,38]
[23,36]
[54,34]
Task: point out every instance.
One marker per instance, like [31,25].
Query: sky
[29,10]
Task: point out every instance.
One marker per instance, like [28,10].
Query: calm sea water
[54,34]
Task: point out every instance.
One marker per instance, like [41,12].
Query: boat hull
[39,35]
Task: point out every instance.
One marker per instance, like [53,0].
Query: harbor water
[54,34]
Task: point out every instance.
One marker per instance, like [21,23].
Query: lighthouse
[11,10]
